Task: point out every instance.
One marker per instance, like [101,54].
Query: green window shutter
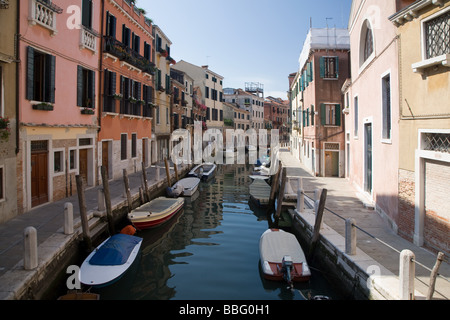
[304,118]
[92,88]
[30,73]
[113,82]
[312,71]
[337,67]
[79,86]
[322,67]
[51,73]
[312,115]
[338,114]
[323,117]
[307,117]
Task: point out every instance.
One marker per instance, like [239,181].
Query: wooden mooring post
[281,193]
[434,274]
[318,222]
[144,176]
[127,190]
[167,172]
[83,212]
[274,189]
[107,195]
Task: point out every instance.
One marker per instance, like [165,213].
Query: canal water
[210,251]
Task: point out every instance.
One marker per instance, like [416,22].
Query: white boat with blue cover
[109,261]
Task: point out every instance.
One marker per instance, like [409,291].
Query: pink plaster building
[58,81]
[371,107]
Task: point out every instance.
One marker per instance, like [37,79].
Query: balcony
[88,39]
[44,12]
[125,54]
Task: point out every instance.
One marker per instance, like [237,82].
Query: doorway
[83,165]
[39,172]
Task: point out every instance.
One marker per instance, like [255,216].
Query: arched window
[367,42]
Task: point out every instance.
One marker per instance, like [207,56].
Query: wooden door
[39,178]
[105,157]
[84,164]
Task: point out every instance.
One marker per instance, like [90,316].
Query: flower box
[43,106]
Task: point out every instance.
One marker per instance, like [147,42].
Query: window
[147,51]
[123,146]
[85,87]
[366,44]
[356,118]
[126,35]
[40,76]
[136,43]
[207,92]
[157,115]
[2,189]
[72,161]
[386,106]
[133,145]
[329,67]
[109,103]
[58,161]
[86,18]
[330,114]
[167,115]
[111,23]
[437,36]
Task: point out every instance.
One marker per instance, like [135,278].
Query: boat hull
[146,216]
[101,275]
[208,171]
[274,245]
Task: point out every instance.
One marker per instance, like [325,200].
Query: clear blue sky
[244,40]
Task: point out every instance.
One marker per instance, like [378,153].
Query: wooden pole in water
[167,172]
[281,193]
[274,188]
[434,274]
[144,174]
[107,195]
[83,213]
[318,222]
[176,171]
[127,190]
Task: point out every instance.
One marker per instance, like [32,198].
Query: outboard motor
[286,268]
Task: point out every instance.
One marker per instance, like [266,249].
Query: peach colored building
[372,105]
[317,101]
[58,89]
[127,91]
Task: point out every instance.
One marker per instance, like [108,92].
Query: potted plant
[5,131]
[117,96]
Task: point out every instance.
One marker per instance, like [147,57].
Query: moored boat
[155,212]
[109,261]
[282,257]
[187,186]
[204,171]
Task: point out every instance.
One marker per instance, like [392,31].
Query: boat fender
[130,230]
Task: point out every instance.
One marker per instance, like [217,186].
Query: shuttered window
[86,18]
[330,114]
[111,23]
[41,70]
[123,146]
[85,87]
[329,67]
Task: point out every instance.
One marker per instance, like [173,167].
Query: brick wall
[406,206]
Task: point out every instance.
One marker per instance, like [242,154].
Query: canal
[210,251]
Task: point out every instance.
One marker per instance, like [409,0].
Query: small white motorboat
[204,171]
[109,261]
[282,257]
[155,212]
[185,187]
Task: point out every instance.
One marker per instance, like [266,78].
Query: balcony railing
[124,53]
[44,13]
[88,39]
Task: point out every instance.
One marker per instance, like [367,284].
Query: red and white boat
[155,212]
[282,257]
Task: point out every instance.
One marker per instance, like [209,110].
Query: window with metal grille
[437,36]
[439,142]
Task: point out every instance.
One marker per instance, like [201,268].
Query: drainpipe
[100,66]
[17,37]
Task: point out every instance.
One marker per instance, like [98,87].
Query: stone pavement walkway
[343,199]
[48,219]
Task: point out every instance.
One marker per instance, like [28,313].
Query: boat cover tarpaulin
[115,251]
